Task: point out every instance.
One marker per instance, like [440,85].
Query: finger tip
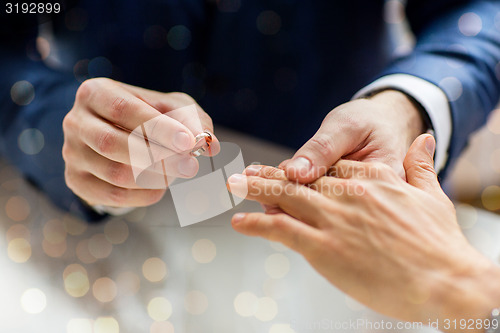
[238,218]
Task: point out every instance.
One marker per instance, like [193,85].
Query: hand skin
[380,128]
[394,246]
[96,141]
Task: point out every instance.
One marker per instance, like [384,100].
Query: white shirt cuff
[432,99]
[115,211]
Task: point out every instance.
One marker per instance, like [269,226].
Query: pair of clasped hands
[360,200]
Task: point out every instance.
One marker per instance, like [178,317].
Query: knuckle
[322,145]
[68,177]
[118,174]
[273,173]
[118,109]
[72,179]
[106,141]
[155,196]
[67,123]
[66,152]
[421,166]
[86,89]
[181,96]
[118,196]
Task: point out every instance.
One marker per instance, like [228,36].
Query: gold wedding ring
[203,141]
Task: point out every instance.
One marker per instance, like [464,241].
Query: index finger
[118,106]
[297,200]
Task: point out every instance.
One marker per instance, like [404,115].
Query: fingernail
[236,178]
[188,167]
[252,170]
[238,217]
[430,145]
[300,165]
[182,141]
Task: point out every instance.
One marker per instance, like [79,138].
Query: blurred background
[475,178]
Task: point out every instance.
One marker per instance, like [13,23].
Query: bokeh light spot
[76,282]
[267,309]
[154,269]
[54,250]
[453,87]
[491,197]
[100,66]
[162,327]
[196,302]
[116,231]
[106,325]
[278,246]
[19,250]
[83,253]
[54,231]
[33,301]
[81,70]
[104,289]
[18,231]
[17,208]
[179,37]
[22,93]
[281,328]
[268,22]
[470,24]
[204,251]
[74,226]
[159,309]
[79,325]
[31,141]
[245,304]
[277,265]
[274,288]
[99,246]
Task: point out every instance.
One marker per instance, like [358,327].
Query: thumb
[316,156]
[419,164]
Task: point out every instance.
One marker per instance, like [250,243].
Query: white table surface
[62,275]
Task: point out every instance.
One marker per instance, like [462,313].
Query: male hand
[380,128]
[97,139]
[394,246]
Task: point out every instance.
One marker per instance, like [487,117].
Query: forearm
[457,55]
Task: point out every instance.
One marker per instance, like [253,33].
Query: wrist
[407,111]
[463,302]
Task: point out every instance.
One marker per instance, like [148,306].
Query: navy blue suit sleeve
[34,100]
[458,49]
